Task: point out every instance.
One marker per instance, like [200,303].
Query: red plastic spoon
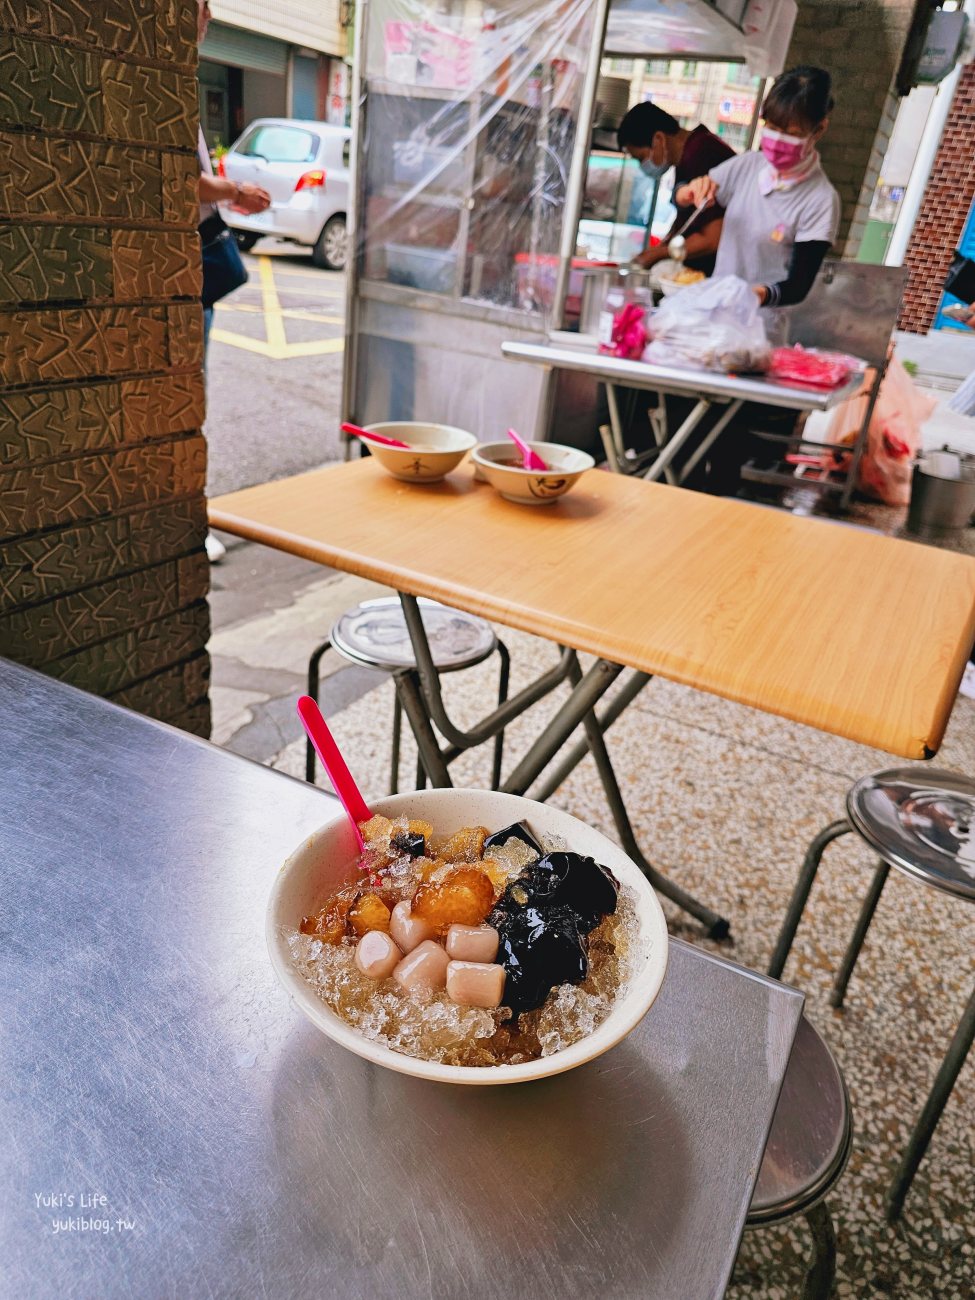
[374,437]
[356,808]
[529,458]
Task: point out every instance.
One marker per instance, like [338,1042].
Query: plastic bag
[812,368]
[714,325]
[893,437]
[628,333]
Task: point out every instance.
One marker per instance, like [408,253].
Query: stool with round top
[374,634]
[921,822]
[807,1150]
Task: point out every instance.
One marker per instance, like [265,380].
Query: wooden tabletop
[845,630]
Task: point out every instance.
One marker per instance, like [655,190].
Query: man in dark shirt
[658,142]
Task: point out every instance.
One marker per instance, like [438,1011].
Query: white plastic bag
[714,325]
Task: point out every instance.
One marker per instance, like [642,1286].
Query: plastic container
[433,270]
[626,292]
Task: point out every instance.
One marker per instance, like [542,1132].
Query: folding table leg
[660,465]
[716,926]
[430,756]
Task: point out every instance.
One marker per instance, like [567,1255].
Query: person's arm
[804,266]
[716,187]
[219,189]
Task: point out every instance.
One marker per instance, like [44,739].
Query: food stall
[474,124]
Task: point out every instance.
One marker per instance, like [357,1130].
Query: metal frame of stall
[415,354]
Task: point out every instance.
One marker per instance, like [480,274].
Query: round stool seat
[921,821]
[375,634]
[811,1133]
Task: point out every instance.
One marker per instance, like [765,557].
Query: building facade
[272,60]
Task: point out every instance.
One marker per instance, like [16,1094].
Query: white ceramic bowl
[434,449]
[323,863]
[531,487]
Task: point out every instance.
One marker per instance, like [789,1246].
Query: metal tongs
[677,246]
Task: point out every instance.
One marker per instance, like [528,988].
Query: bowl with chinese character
[477,938]
[501,465]
[433,450]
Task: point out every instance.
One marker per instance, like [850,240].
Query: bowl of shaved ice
[477,938]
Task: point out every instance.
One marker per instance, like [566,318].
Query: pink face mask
[783,151]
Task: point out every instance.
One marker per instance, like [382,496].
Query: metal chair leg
[940,1092]
[503,677]
[818,1282]
[800,895]
[311,758]
[867,910]
[397,735]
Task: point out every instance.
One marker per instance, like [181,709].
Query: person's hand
[701,190]
[761,293]
[970,318]
[251,199]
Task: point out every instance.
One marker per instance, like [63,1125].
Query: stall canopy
[756,32]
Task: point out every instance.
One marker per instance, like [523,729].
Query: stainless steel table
[709,387]
[214,1144]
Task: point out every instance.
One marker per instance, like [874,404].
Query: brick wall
[860,42]
[103,578]
[944,210]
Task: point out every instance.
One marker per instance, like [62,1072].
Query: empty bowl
[500,464]
[434,449]
[325,861]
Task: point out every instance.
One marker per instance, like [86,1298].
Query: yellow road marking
[273,323]
[278,351]
[276,346]
[288,313]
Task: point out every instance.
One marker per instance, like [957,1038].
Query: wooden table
[829,625]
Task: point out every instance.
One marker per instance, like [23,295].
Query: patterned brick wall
[860,42]
[944,210]
[103,579]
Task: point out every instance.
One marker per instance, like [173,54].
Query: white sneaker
[967,687]
[216,549]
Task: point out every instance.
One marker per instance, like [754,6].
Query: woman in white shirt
[781,218]
[781,212]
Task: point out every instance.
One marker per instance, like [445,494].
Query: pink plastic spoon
[374,437]
[356,808]
[530,459]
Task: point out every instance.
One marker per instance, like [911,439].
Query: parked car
[304,166]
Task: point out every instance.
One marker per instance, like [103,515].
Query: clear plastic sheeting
[469,121]
[755,31]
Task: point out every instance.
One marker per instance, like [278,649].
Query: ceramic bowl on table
[434,449]
[500,464]
[325,861]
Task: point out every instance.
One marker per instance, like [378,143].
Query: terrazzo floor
[725,799]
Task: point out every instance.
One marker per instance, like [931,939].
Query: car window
[280,144]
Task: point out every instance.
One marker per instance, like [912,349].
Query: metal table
[709,387]
[225,1148]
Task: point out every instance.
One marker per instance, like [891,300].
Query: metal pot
[941,505]
[595,286]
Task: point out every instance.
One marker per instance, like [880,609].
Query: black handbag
[960,280]
[223,266]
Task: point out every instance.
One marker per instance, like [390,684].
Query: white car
[304,166]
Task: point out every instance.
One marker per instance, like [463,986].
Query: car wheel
[246,239]
[331,249]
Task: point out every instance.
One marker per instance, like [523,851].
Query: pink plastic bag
[893,437]
[812,368]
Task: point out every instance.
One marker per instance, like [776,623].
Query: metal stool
[374,634]
[807,1151]
[922,822]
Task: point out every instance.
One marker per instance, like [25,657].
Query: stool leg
[397,734]
[313,662]
[935,1104]
[797,903]
[818,1282]
[503,677]
[859,934]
